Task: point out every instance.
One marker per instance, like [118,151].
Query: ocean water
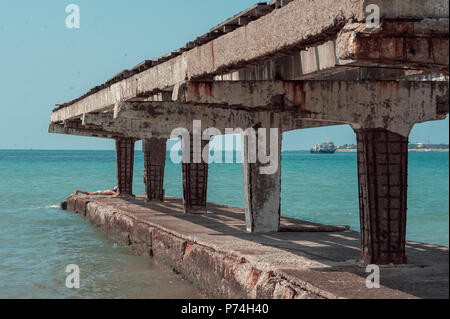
[37,240]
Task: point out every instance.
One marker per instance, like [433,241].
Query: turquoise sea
[37,240]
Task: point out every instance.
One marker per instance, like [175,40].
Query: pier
[283,65]
[302,261]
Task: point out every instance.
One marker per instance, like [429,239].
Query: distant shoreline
[288,151]
[423,150]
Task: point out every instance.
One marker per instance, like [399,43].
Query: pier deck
[303,260]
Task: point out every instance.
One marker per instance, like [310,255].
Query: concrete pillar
[383,178]
[154,163]
[262,192]
[195,180]
[125,162]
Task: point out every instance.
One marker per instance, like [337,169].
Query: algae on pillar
[383,180]
[125,163]
[154,164]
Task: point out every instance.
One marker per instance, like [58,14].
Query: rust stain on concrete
[208,89]
[289,293]
[194,91]
[296,90]
[391,87]
[397,27]
[213,57]
[253,278]
[188,249]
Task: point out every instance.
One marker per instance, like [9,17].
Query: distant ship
[324,148]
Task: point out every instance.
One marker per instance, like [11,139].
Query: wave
[52,206]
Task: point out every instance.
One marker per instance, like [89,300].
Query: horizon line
[112,149]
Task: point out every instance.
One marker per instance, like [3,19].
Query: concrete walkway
[305,260]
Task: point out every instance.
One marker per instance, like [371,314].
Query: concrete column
[383,178]
[195,180]
[125,162]
[262,192]
[154,163]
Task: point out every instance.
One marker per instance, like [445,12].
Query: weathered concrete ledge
[304,261]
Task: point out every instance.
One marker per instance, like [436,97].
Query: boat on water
[324,148]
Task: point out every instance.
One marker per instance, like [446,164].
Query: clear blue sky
[43,63]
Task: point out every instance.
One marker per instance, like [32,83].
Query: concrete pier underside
[304,260]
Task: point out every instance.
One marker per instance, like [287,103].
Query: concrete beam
[175,114]
[100,133]
[139,126]
[373,74]
[393,105]
[313,62]
[183,115]
[278,33]
[422,44]
[136,128]
[392,49]
[146,120]
[319,63]
[244,95]
[294,27]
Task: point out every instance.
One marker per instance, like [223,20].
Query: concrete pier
[270,67]
[125,165]
[303,260]
[383,187]
[262,192]
[154,163]
[195,178]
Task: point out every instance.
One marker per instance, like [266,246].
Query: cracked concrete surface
[214,252]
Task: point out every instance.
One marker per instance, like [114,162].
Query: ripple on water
[46,240]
